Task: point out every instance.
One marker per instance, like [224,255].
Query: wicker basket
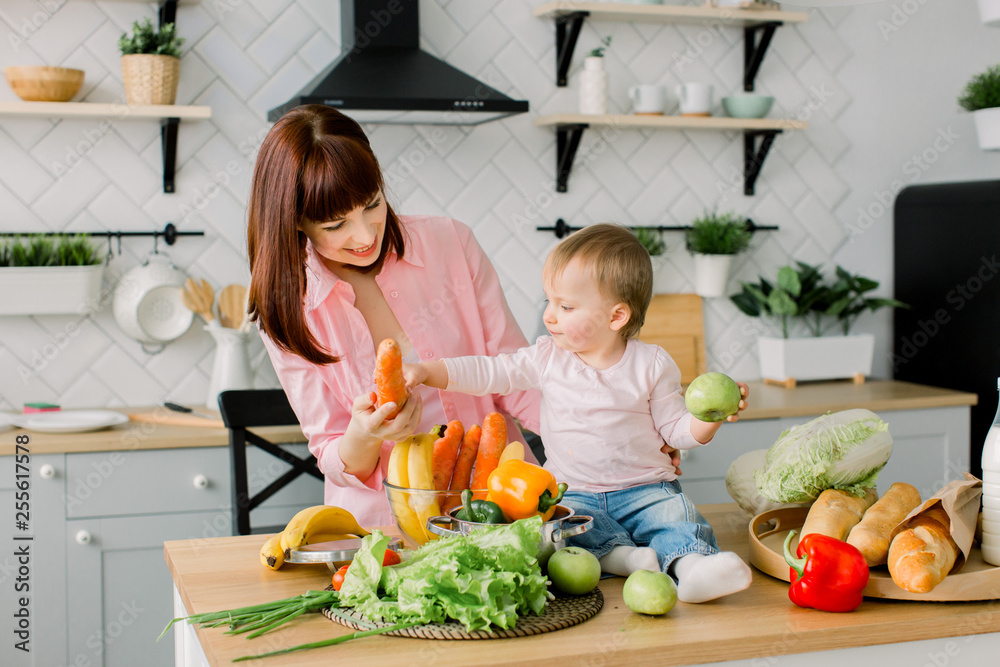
[150,79]
[44,84]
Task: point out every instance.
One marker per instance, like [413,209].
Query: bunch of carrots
[463,459]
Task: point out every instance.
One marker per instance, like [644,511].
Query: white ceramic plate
[70,421]
[6,421]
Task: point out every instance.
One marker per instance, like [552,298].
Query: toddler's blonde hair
[619,264]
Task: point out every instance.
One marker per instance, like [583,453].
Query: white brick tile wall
[244,58]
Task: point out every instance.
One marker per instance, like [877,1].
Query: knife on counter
[180,408]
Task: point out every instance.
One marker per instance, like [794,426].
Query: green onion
[332,642]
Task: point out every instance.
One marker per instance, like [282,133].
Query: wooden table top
[224,573]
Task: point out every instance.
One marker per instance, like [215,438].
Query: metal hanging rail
[169,233]
[561,229]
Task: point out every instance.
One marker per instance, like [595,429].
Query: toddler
[609,404]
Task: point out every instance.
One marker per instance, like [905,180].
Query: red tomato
[391,558]
[338,577]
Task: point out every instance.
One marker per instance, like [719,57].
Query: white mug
[648,98]
[695,99]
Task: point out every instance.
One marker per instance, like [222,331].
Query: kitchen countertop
[766,402]
[756,624]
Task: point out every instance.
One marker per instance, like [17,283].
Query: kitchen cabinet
[100,593]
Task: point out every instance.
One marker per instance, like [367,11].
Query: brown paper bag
[960,500]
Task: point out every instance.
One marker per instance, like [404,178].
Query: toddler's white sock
[623,560]
[701,578]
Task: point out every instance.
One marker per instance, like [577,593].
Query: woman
[334,271]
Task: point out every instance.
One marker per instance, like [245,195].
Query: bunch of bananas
[411,466]
[320,523]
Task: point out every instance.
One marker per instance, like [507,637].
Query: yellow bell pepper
[523,490]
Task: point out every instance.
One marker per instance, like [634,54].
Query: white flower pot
[989,12]
[50,290]
[988,127]
[593,87]
[711,273]
[822,358]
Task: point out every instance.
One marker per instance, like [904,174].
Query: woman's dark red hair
[315,164]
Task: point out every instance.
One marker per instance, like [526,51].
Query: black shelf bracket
[167,12]
[168,140]
[567,32]
[561,229]
[754,50]
[753,156]
[567,142]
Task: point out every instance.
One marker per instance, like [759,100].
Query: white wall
[877,83]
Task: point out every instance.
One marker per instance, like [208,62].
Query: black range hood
[382,76]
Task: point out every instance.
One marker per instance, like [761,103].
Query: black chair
[250,408]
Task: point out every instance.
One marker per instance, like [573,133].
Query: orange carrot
[389,383]
[490,448]
[446,453]
[466,457]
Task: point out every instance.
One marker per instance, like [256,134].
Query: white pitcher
[231,369]
[593,87]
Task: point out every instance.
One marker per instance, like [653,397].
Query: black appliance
[947,266]
[382,76]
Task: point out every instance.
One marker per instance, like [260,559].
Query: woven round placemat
[562,612]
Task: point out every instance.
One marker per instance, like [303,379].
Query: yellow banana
[421,471]
[398,461]
[513,450]
[318,520]
[330,537]
[271,554]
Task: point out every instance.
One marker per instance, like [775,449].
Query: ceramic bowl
[44,84]
[747,106]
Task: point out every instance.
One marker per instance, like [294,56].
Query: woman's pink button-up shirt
[447,297]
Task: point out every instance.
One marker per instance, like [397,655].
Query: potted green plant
[982,97]
[41,274]
[652,240]
[151,63]
[800,295]
[713,239]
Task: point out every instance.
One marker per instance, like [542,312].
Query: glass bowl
[412,507]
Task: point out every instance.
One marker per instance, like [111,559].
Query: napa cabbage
[843,450]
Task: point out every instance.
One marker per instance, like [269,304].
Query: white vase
[987,127]
[817,358]
[231,369]
[989,12]
[711,273]
[593,87]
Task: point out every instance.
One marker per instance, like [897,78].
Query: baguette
[922,555]
[835,512]
[871,536]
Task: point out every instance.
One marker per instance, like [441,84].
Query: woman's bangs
[338,177]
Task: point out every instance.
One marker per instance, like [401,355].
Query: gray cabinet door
[42,579]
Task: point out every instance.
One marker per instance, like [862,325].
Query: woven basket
[150,79]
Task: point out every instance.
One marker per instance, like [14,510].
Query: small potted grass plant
[151,63]
[652,240]
[42,274]
[713,239]
[982,97]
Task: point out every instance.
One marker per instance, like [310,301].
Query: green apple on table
[574,571]
[648,592]
[711,397]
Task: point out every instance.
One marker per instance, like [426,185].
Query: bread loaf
[922,555]
[871,536]
[835,512]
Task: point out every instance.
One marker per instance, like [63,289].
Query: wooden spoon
[232,309]
[198,296]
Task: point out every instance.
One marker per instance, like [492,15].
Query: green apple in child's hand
[574,570]
[712,397]
[647,592]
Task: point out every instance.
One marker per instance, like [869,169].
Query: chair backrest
[245,409]
[675,323]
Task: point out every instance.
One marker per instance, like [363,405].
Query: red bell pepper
[829,575]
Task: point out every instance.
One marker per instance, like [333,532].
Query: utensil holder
[231,369]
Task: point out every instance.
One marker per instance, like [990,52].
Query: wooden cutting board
[675,323]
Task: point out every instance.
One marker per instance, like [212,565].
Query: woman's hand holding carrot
[369,427]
